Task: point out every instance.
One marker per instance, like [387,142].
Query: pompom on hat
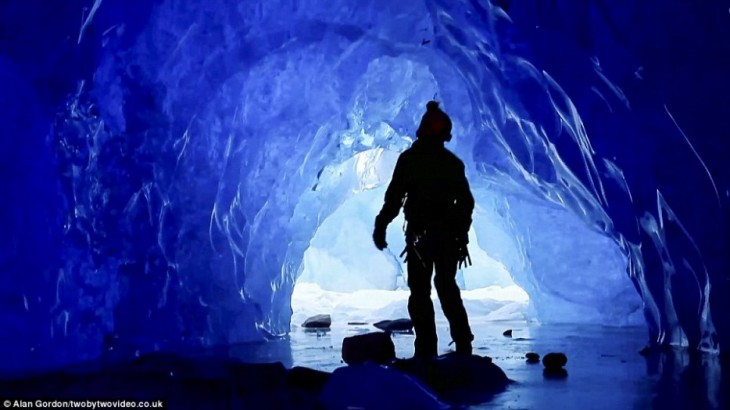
[435,124]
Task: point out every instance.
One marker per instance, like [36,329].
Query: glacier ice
[515,238]
[171,166]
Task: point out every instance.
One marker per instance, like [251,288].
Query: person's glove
[462,252]
[379,238]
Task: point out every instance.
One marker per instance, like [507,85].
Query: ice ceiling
[166,164]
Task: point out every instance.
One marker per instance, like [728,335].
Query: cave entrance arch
[521,242]
[344,275]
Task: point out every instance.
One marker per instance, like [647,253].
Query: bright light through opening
[344,275]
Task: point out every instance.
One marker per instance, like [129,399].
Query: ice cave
[198,178]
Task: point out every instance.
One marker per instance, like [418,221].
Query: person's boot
[425,348]
[464,348]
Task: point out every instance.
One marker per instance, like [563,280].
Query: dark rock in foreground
[310,380]
[370,386]
[554,361]
[376,347]
[222,382]
[398,325]
[532,358]
[457,378]
[318,322]
[181,382]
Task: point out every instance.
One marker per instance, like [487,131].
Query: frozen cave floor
[604,371]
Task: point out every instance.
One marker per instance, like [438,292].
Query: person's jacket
[430,183]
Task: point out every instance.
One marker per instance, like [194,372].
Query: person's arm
[394,196]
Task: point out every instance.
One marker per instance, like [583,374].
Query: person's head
[435,124]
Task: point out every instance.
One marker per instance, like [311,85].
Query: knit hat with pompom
[435,124]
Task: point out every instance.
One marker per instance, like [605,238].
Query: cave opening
[571,279]
[182,175]
[343,275]
[240,175]
[518,239]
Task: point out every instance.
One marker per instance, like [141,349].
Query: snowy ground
[493,303]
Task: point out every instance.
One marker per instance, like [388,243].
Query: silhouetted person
[430,184]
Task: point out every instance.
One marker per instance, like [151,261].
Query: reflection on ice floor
[605,370]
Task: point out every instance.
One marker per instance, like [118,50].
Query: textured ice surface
[340,256]
[574,275]
[168,165]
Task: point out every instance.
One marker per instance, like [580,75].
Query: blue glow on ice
[167,165]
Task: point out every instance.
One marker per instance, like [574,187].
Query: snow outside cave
[344,275]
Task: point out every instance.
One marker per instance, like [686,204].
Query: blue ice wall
[161,159]
[648,80]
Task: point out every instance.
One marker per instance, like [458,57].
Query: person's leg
[450,297]
[420,306]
